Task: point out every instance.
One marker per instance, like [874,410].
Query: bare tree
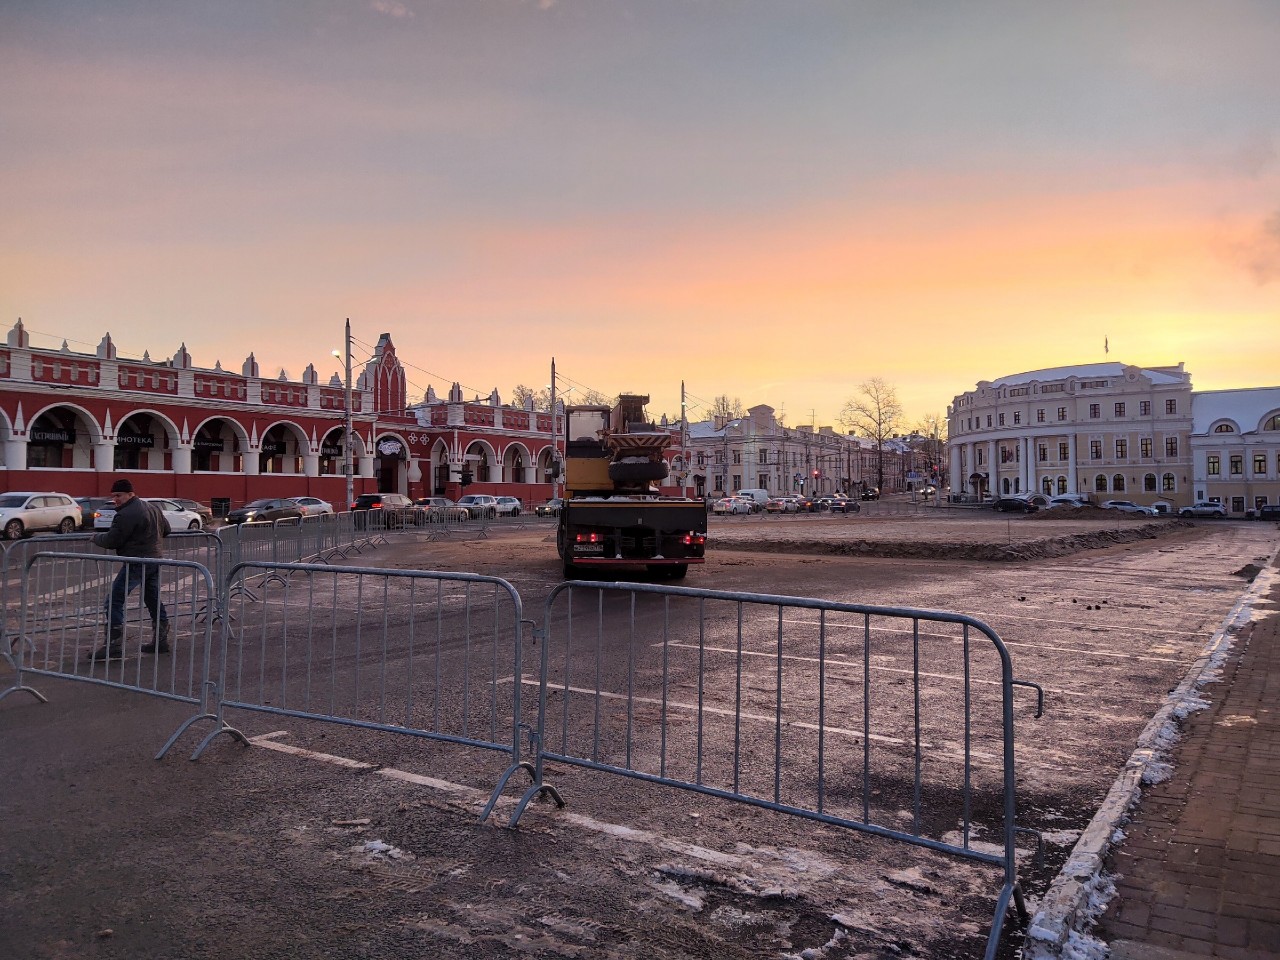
[723,407]
[521,393]
[875,413]
[933,428]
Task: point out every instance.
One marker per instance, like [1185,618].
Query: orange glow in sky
[762,201]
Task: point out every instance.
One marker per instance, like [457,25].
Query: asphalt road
[327,840]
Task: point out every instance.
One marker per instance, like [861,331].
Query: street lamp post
[346,430]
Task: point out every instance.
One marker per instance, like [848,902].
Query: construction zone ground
[321,840]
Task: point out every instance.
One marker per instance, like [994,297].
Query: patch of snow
[693,901]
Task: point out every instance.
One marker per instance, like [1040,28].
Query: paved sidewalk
[1200,866]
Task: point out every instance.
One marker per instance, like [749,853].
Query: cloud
[391,8]
[1261,255]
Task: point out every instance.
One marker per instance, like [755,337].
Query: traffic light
[815,474]
[465,480]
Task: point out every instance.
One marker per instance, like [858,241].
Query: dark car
[1014,505]
[195,506]
[549,509]
[89,507]
[845,506]
[399,509]
[1269,511]
[257,511]
[871,493]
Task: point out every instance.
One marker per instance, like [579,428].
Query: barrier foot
[538,789]
[223,727]
[22,687]
[997,924]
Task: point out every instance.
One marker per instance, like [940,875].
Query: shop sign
[272,448]
[390,447]
[214,444]
[331,450]
[52,435]
[135,440]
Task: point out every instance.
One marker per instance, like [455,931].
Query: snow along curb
[1079,893]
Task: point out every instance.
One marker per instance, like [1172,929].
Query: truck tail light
[695,539]
[589,538]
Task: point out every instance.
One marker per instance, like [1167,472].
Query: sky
[771,201]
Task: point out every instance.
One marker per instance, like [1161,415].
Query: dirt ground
[328,841]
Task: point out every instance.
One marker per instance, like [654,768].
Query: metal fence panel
[435,655]
[67,608]
[892,721]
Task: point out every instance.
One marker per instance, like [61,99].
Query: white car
[1204,508]
[479,506]
[509,506]
[312,506]
[1128,506]
[179,517]
[731,505]
[25,513]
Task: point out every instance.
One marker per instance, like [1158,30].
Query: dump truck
[613,514]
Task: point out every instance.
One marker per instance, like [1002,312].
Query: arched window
[1224,428]
[1100,483]
[1273,423]
[1169,486]
[1062,485]
[1117,483]
[1047,486]
[1004,485]
[1149,483]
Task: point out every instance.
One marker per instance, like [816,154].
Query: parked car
[178,516]
[1269,511]
[1128,506]
[871,493]
[195,506]
[89,507]
[397,509]
[1068,500]
[257,511]
[479,506]
[1014,505]
[22,514]
[549,509]
[780,505]
[435,509]
[731,505]
[509,506]
[845,505]
[807,505]
[1204,508]
[313,506]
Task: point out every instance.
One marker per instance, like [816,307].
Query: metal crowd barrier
[65,615]
[434,655]
[892,721]
[197,546]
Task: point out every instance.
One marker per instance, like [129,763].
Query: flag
[1106,344]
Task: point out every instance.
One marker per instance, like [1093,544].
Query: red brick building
[73,421]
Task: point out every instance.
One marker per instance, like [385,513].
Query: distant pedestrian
[136,531]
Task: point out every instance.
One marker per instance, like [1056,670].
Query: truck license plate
[588,548]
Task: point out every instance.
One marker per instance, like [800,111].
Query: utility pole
[684,444]
[346,433]
[555,436]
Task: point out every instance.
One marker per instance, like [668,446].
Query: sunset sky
[773,201]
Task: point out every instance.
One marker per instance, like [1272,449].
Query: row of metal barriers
[894,722]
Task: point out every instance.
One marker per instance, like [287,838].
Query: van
[757,497]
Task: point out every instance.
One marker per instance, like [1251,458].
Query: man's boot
[161,642]
[113,649]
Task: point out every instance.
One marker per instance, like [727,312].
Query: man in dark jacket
[136,531]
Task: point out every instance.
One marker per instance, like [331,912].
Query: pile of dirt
[960,548]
